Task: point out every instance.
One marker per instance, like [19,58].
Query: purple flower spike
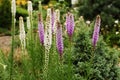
[70,24]
[52,18]
[96,31]
[41,29]
[59,39]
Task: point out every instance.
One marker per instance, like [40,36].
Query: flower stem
[69,59]
[32,45]
[12,48]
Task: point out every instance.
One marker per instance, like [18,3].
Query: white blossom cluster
[13,7]
[57,18]
[48,31]
[22,32]
[47,39]
[30,8]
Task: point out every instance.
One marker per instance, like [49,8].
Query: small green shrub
[89,64]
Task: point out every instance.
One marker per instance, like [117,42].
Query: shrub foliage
[90,64]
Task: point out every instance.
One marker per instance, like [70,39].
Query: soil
[5,44]
[5,47]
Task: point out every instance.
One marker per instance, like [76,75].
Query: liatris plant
[47,41]
[96,31]
[48,30]
[59,39]
[70,24]
[13,11]
[70,29]
[41,29]
[22,32]
[52,19]
[30,9]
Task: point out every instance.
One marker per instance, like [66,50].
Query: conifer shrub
[100,63]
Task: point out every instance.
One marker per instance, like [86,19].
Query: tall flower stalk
[13,11]
[30,9]
[31,39]
[70,24]
[95,38]
[96,31]
[70,29]
[41,29]
[30,23]
[40,24]
[59,40]
[48,30]
[22,33]
[47,41]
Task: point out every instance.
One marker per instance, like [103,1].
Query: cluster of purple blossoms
[59,39]
[70,24]
[41,29]
[96,31]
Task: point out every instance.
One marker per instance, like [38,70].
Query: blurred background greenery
[108,9]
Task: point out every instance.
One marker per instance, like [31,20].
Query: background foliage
[5,12]
[109,11]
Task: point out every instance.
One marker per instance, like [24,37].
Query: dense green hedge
[5,14]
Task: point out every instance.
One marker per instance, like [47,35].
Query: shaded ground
[5,41]
[5,44]
[5,47]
